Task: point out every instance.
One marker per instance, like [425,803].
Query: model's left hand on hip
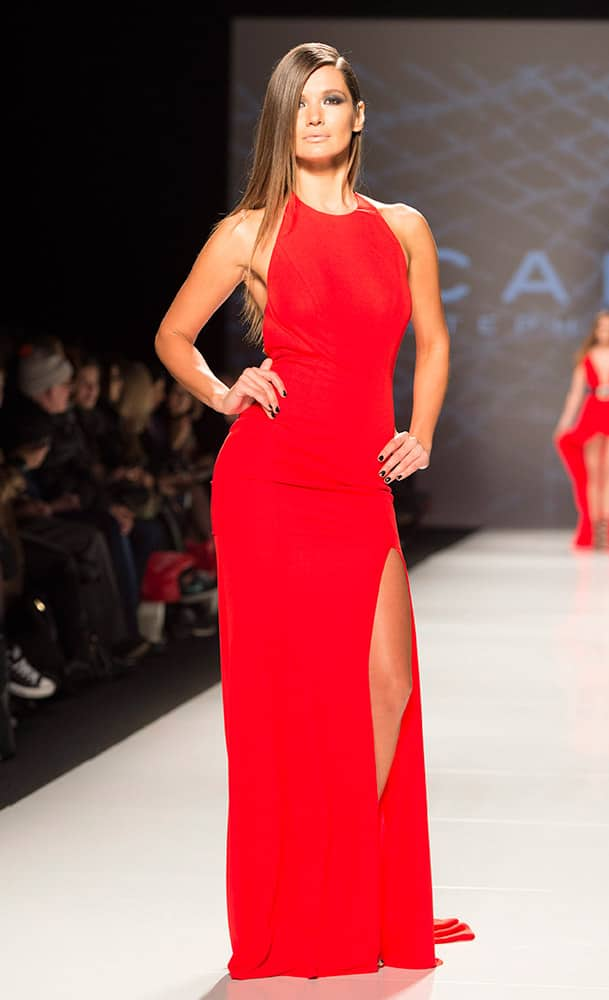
[401,456]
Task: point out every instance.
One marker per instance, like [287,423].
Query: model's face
[602,331]
[86,387]
[326,117]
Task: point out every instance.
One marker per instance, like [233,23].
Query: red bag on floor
[204,554]
[163,576]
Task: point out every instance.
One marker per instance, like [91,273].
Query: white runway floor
[112,876]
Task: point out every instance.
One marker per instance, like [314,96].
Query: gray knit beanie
[39,371]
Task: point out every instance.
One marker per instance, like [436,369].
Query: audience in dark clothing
[51,560]
[103,462]
[65,480]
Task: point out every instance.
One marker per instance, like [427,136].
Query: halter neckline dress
[322,878]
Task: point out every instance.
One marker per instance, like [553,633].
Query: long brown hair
[136,401]
[272,175]
[590,340]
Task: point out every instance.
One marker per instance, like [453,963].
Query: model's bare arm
[573,400]
[431,333]
[432,342]
[216,272]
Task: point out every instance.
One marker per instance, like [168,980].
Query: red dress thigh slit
[322,878]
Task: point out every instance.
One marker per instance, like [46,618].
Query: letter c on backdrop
[460,260]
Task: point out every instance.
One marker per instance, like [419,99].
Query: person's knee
[392,691]
[391,683]
[391,643]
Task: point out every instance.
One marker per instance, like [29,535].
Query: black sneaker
[190,621]
[24,680]
[131,651]
[205,623]
[105,663]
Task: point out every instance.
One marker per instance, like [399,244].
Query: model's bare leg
[604,491]
[593,453]
[390,663]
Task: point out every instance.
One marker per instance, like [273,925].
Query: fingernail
[382,472]
[399,477]
[276,409]
[381,458]
[388,479]
[283,392]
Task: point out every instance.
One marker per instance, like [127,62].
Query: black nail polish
[381,457]
[388,479]
[283,392]
[399,477]
[382,472]
[276,409]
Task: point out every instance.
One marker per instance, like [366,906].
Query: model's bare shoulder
[235,234]
[408,224]
[411,223]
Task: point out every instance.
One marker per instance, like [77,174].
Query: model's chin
[316,152]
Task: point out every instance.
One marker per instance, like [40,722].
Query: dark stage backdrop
[497,131]
[114,167]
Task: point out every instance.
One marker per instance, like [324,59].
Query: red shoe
[583,534]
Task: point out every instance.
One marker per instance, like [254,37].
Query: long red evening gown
[593,419]
[322,879]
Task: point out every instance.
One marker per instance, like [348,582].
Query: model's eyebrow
[332,90]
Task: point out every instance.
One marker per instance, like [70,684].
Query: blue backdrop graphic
[498,132]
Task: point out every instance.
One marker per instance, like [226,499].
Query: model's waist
[296,447]
[327,416]
[319,385]
[335,368]
[599,391]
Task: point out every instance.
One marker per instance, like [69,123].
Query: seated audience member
[109,446]
[66,481]
[95,425]
[135,408]
[113,442]
[211,426]
[111,385]
[106,422]
[41,569]
[159,382]
[175,455]
[22,678]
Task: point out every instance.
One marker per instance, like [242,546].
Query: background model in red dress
[592,421]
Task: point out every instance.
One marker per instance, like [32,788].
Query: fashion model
[328,855]
[581,436]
